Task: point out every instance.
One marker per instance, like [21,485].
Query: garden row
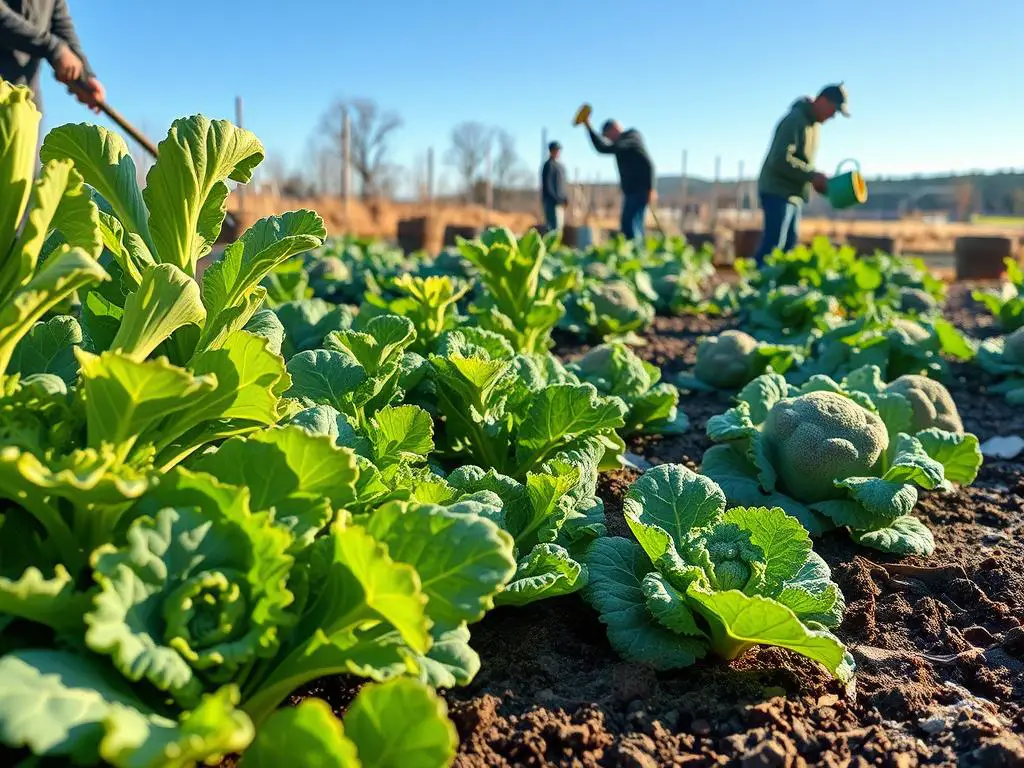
[321,459]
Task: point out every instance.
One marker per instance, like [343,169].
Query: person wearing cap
[33,30]
[636,173]
[788,173]
[553,191]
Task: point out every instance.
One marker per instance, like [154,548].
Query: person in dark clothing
[636,173]
[33,30]
[553,191]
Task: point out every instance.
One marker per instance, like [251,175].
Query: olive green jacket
[789,165]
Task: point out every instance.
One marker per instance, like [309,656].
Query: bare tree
[508,169]
[470,143]
[370,131]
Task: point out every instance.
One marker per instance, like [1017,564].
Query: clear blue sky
[934,86]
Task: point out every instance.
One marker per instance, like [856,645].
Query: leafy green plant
[306,324]
[699,579]
[36,273]
[288,281]
[209,605]
[896,345]
[733,358]
[789,314]
[357,372]
[616,371]
[609,311]
[397,723]
[1003,357]
[516,302]
[429,302]
[513,415]
[835,454]
[1006,303]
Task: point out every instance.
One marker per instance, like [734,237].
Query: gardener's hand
[67,66]
[820,183]
[91,93]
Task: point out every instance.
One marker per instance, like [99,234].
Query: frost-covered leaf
[905,535]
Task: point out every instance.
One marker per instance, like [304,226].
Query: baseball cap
[553,146]
[836,93]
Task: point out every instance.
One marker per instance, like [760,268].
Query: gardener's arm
[63,27]
[18,34]
[782,156]
[601,144]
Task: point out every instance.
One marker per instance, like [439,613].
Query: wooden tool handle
[122,123]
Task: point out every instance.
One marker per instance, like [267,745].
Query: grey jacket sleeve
[18,34]
[63,27]
[601,144]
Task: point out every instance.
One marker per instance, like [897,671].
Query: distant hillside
[995,194]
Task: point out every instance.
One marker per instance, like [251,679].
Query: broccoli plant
[617,371]
[842,454]
[733,358]
[1004,357]
[1007,302]
[699,579]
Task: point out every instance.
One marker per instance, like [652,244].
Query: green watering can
[847,189]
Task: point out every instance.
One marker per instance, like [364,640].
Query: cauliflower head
[915,333]
[725,361]
[818,438]
[616,308]
[1013,349]
[933,405]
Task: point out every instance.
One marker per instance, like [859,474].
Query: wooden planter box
[452,231]
[866,245]
[577,236]
[412,234]
[745,243]
[699,239]
[981,258]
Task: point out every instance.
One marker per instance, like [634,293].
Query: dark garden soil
[939,642]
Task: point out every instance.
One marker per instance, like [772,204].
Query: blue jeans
[781,225]
[634,210]
[554,216]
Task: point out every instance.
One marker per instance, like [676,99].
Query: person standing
[636,173]
[553,190]
[33,30]
[788,173]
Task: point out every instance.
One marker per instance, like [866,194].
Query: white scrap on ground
[1003,447]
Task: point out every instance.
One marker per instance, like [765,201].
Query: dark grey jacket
[552,183]
[636,171]
[33,30]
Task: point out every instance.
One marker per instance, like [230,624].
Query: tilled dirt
[938,642]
